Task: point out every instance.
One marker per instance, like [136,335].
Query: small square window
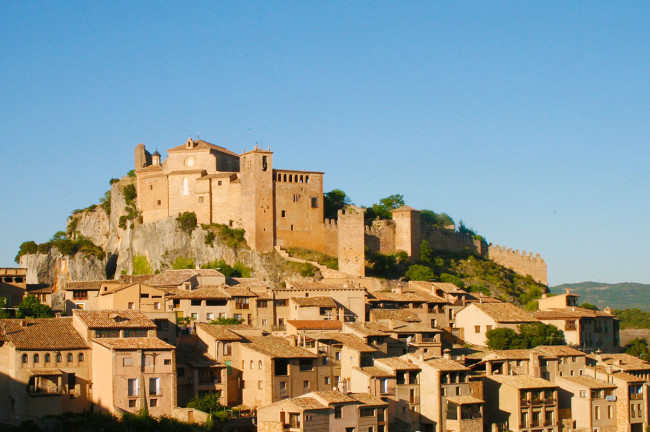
[158,202]
[220,183]
[131,305]
[153,402]
[200,200]
[283,213]
[167,362]
[127,361]
[132,403]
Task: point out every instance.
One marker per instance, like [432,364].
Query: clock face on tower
[189,162]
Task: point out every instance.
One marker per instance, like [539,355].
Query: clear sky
[528,120]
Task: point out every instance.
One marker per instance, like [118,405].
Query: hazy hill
[617,296]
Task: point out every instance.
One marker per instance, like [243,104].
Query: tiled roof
[395,363]
[482,298]
[622,361]
[38,289]
[570,313]
[367,328]
[209,292]
[219,332]
[504,312]
[247,282]
[239,291]
[333,397]
[86,285]
[41,333]
[320,286]
[318,301]
[558,351]
[403,297]
[587,381]
[409,327]
[404,208]
[188,171]
[374,371]
[367,399]
[522,381]
[394,314]
[203,145]
[464,400]
[448,288]
[627,377]
[353,342]
[134,343]
[113,318]
[316,324]
[177,277]
[513,354]
[149,168]
[444,364]
[275,347]
[307,403]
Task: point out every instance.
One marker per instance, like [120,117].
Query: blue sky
[528,120]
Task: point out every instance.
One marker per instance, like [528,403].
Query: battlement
[330,223]
[522,262]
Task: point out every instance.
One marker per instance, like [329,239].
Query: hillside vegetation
[626,295]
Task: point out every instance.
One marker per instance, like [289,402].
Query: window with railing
[80,295]
[242,302]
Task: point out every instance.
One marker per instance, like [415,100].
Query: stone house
[13,285]
[44,369]
[476,319]
[447,400]
[591,402]
[324,411]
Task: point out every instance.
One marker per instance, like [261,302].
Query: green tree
[225,321]
[502,338]
[26,248]
[538,333]
[187,222]
[589,306]
[183,263]
[141,265]
[30,307]
[105,202]
[208,403]
[418,272]
[428,217]
[638,347]
[335,200]
[382,210]
[426,253]
[4,313]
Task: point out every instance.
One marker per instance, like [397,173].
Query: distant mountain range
[617,296]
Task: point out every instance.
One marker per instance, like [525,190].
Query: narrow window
[200,200]
[186,186]
[24,358]
[47,358]
[133,387]
[264,163]
[81,357]
[69,357]
[36,358]
[284,213]
[314,202]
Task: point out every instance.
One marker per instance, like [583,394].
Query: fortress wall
[380,237]
[330,237]
[441,239]
[521,262]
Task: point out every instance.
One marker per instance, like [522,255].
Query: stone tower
[407,231]
[256,168]
[351,241]
[142,157]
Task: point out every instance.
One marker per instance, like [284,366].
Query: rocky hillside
[107,240]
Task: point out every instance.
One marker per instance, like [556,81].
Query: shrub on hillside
[187,222]
[141,265]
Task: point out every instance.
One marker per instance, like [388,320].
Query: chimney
[446,353]
[23,323]
[608,310]
[608,369]
[391,324]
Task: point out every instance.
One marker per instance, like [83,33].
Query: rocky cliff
[161,243]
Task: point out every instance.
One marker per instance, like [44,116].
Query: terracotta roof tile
[320,286]
[194,356]
[395,363]
[587,381]
[352,342]
[210,292]
[333,397]
[394,314]
[318,301]
[570,313]
[307,403]
[219,332]
[367,328]
[465,400]
[275,347]
[41,333]
[374,371]
[316,324]
[113,318]
[203,145]
[87,285]
[522,381]
[504,312]
[134,343]
[367,399]
[177,277]
[444,364]
[403,297]
[558,351]
[45,372]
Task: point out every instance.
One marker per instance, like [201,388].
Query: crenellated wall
[330,237]
[521,262]
[380,237]
[441,239]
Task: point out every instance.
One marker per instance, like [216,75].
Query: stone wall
[523,263]
[380,236]
[331,237]
[441,239]
[351,243]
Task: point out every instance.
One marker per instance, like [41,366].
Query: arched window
[306,179]
[36,358]
[24,358]
[70,357]
[301,179]
[290,178]
[47,358]
[59,357]
[186,186]
[285,178]
[260,364]
[252,364]
[81,357]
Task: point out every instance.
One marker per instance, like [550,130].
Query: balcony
[242,306]
[280,327]
[43,391]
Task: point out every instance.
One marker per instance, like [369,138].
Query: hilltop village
[344,352]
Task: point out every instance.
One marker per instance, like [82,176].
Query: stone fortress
[282,208]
